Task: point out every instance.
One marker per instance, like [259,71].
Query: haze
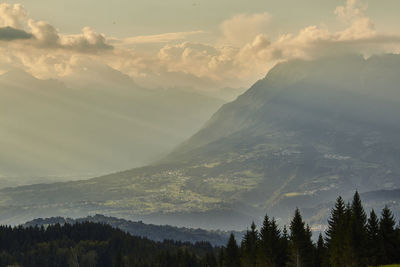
[93,87]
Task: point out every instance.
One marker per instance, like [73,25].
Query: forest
[351,239]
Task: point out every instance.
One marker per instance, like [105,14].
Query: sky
[200,44]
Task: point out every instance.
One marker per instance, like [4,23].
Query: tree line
[351,239]
[94,244]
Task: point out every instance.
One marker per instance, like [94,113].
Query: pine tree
[250,246]
[373,239]
[232,255]
[320,252]
[398,242]
[358,231]
[284,248]
[300,239]
[388,238]
[265,246]
[118,262]
[309,249]
[209,260]
[221,257]
[335,219]
[271,252]
[337,235]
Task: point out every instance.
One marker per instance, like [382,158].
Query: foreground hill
[307,132]
[149,231]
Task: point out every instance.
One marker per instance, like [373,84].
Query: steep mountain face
[307,132]
[104,124]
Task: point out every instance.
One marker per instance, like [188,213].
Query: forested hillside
[352,239]
[94,244]
[150,231]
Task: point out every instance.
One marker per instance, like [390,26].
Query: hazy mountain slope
[311,130]
[105,123]
[307,132]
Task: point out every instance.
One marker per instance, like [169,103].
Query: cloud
[88,41]
[9,34]
[15,20]
[359,24]
[46,35]
[243,28]
[353,10]
[201,60]
[12,15]
[157,38]
[245,56]
[242,54]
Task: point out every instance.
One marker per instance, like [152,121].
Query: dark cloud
[10,34]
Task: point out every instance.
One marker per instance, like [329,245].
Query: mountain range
[307,132]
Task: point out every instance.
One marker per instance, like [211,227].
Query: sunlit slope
[307,132]
[95,127]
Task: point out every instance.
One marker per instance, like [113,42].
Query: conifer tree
[337,235]
[398,242]
[388,238]
[221,257]
[300,240]
[265,246]
[209,260]
[249,247]
[309,248]
[358,231]
[232,255]
[337,215]
[373,239]
[271,247]
[118,262]
[320,252]
[284,248]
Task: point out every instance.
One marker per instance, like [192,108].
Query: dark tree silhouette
[358,230]
[388,238]
[337,235]
[373,239]
[300,240]
[271,249]
[232,255]
[320,252]
[249,247]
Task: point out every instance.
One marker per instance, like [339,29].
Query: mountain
[56,131]
[150,231]
[307,132]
